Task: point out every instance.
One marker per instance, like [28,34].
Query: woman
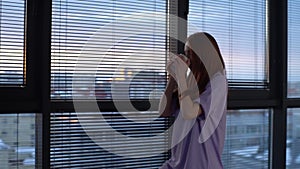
[198,101]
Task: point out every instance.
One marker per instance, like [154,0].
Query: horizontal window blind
[247,139]
[72,147]
[293,49]
[293,138]
[240,29]
[110,49]
[17,141]
[107,50]
[12,62]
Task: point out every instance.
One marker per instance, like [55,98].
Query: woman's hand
[178,66]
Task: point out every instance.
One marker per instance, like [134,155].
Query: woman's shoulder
[219,74]
[219,79]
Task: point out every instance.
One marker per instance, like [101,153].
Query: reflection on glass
[293,139]
[17,141]
[247,139]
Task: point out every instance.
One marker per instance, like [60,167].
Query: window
[12,40]
[17,148]
[240,29]
[244,144]
[293,91]
[79,140]
[107,51]
[132,69]
[293,49]
[293,139]
[107,48]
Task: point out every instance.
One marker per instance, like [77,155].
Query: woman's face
[193,58]
[188,53]
[187,50]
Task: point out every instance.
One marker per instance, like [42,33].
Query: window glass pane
[240,29]
[247,139]
[293,49]
[12,14]
[293,139]
[109,48]
[74,137]
[17,141]
[82,140]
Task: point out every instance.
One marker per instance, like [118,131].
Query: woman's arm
[188,107]
[165,104]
